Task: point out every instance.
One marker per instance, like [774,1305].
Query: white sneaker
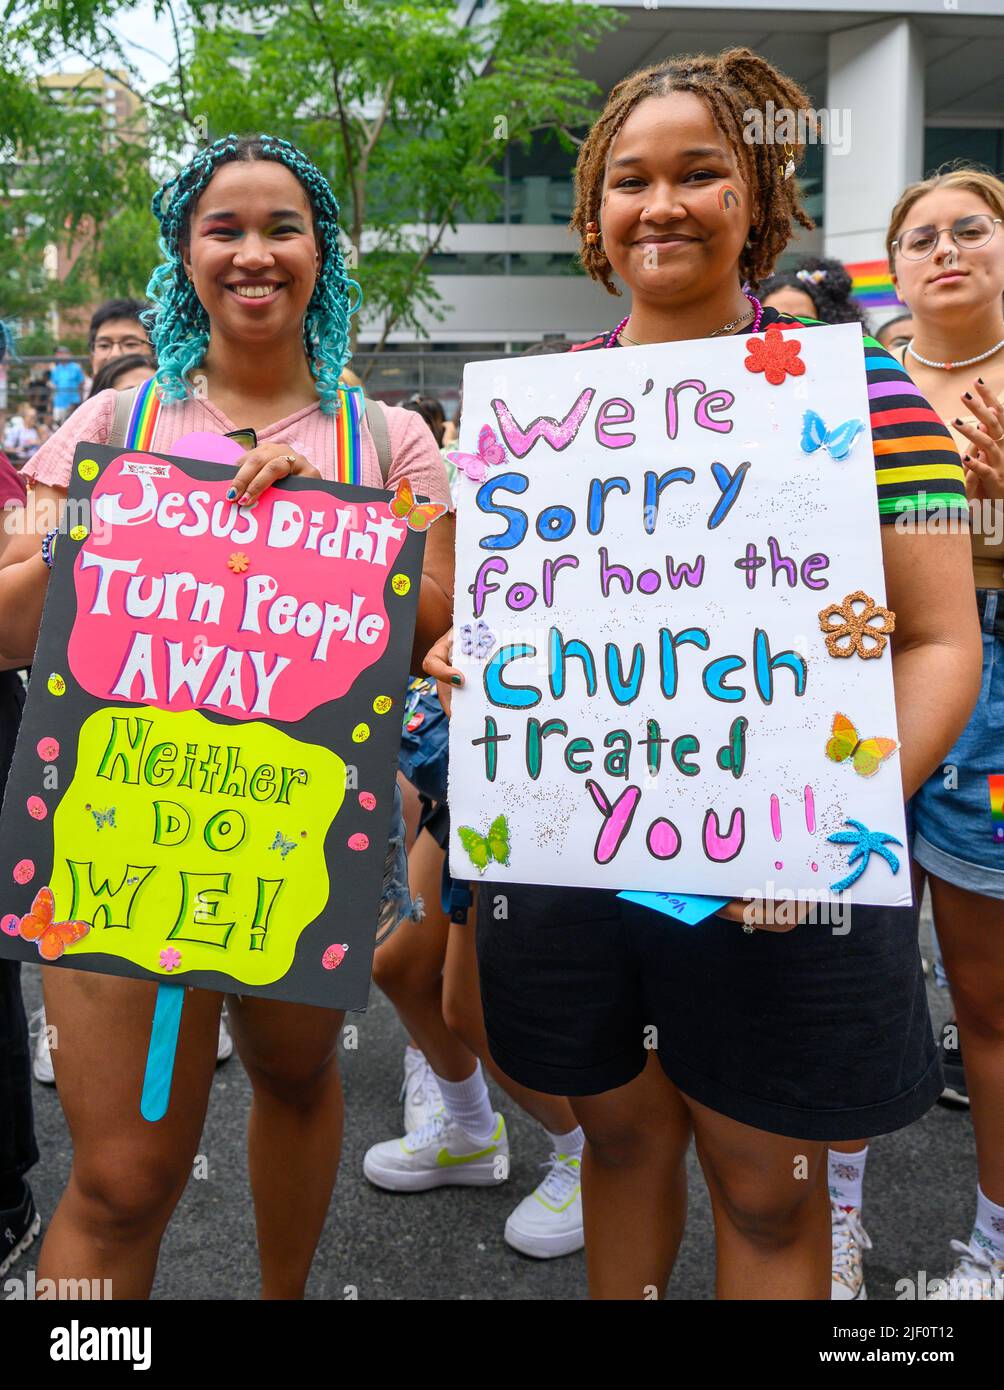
[41,1057]
[439,1154]
[225,1043]
[549,1221]
[977,1277]
[849,1239]
[419,1090]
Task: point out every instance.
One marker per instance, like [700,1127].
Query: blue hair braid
[178,323]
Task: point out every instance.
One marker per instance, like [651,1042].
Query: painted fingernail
[981,381]
[456,680]
[956,421]
[231,493]
[245,501]
[967,397]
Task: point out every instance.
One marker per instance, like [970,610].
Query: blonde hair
[969,177]
[349,378]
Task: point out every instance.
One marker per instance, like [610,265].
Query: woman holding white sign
[672,198]
[254,298]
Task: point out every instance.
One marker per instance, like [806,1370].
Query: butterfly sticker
[837,442]
[866,754]
[418,515]
[490,454]
[482,849]
[51,937]
[282,844]
[104,817]
[477,642]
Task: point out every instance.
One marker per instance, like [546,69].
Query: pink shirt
[414,454]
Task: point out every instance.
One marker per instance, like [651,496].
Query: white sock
[569,1144]
[988,1230]
[467,1103]
[846,1174]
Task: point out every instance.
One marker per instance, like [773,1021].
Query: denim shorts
[396,902]
[958,814]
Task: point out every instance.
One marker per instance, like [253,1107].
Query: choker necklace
[756,309]
[948,366]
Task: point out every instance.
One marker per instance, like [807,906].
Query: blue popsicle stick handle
[160,1054]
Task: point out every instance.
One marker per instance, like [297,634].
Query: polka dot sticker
[79,533]
[88,470]
[24,871]
[333,957]
[56,684]
[48,749]
[367,801]
[400,583]
[9,924]
[360,733]
[359,841]
[382,704]
[37,808]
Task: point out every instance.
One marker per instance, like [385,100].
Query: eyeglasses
[127,344]
[968,233]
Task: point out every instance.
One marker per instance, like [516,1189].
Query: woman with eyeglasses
[946,251]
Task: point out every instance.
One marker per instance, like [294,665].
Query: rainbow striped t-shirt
[917,467]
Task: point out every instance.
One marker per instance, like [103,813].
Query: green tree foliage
[407,109]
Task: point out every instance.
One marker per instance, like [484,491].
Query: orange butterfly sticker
[419,516]
[51,937]
[867,754]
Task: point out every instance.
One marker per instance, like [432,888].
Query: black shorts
[815,1033]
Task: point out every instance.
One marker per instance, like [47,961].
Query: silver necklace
[948,366]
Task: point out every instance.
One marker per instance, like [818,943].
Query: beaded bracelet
[49,547]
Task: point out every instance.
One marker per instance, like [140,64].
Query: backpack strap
[124,402]
[137,411]
[377,421]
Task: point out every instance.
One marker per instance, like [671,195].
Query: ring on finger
[290,458]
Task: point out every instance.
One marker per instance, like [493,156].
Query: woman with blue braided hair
[252,306]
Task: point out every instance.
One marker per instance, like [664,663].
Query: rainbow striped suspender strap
[348,435]
[146,410]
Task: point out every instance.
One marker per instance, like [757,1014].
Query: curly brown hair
[733,83]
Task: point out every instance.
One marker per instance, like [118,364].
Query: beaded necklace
[755,304]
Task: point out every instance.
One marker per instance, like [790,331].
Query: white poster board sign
[647,539]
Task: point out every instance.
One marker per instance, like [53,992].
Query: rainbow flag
[871,284]
[996,780]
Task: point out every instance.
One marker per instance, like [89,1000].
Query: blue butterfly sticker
[104,817]
[282,844]
[837,442]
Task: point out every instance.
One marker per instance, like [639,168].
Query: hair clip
[810,277]
[592,233]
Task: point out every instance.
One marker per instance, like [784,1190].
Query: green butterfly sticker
[482,849]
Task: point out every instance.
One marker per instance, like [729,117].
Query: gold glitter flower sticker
[865,632]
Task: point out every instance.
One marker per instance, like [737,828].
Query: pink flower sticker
[10,923]
[359,841]
[24,871]
[170,959]
[367,801]
[333,957]
[48,749]
[37,808]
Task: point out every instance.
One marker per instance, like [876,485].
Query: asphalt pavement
[447,1244]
